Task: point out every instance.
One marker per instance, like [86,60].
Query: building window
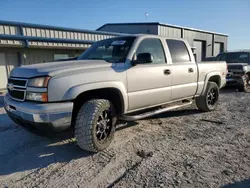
[61,56]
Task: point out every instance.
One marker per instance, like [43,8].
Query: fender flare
[208,76]
[74,91]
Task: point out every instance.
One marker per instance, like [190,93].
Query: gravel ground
[183,148]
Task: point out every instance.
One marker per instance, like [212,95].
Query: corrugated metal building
[24,43]
[207,43]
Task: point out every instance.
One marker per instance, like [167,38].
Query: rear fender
[210,75]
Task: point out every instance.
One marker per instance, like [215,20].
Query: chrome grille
[18,83]
[17,88]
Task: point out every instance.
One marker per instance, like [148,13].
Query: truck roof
[149,35]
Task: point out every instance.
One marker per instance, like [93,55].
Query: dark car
[238,68]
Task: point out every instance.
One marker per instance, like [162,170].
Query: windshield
[110,50]
[235,57]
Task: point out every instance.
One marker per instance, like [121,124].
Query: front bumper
[235,80]
[40,117]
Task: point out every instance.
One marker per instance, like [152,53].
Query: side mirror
[142,58]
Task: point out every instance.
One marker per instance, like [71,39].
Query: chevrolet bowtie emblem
[10,87]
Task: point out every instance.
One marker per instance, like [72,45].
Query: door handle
[167,72]
[190,70]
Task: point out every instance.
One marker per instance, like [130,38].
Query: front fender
[74,91]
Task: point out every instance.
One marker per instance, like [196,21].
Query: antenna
[146,15]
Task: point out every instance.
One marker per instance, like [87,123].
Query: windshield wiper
[93,58]
[109,61]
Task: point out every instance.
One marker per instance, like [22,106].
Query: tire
[245,87]
[95,125]
[206,102]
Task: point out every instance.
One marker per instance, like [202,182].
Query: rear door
[184,70]
[149,84]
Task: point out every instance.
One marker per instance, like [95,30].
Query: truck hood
[57,68]
[239,64]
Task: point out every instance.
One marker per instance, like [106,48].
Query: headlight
[42,97]
[39,90]
[39,82]
[245,68]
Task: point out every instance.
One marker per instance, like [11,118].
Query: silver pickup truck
[127,78]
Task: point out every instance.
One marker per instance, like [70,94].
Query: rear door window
[178,51]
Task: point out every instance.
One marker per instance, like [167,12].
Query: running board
[152,113]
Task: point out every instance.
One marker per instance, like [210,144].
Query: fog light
[43,97]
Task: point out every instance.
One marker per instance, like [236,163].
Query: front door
[149,84]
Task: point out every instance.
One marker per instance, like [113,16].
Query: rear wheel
[245,87]
[95,125]
[209,100]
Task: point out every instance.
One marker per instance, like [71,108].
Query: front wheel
[209,100]
[95,125]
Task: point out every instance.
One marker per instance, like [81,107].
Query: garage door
[200,51]
[3,72]
[218,47]
[11,61]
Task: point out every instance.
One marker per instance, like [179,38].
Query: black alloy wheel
[104,126]
[208,101]
[212,96]
[95,125]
